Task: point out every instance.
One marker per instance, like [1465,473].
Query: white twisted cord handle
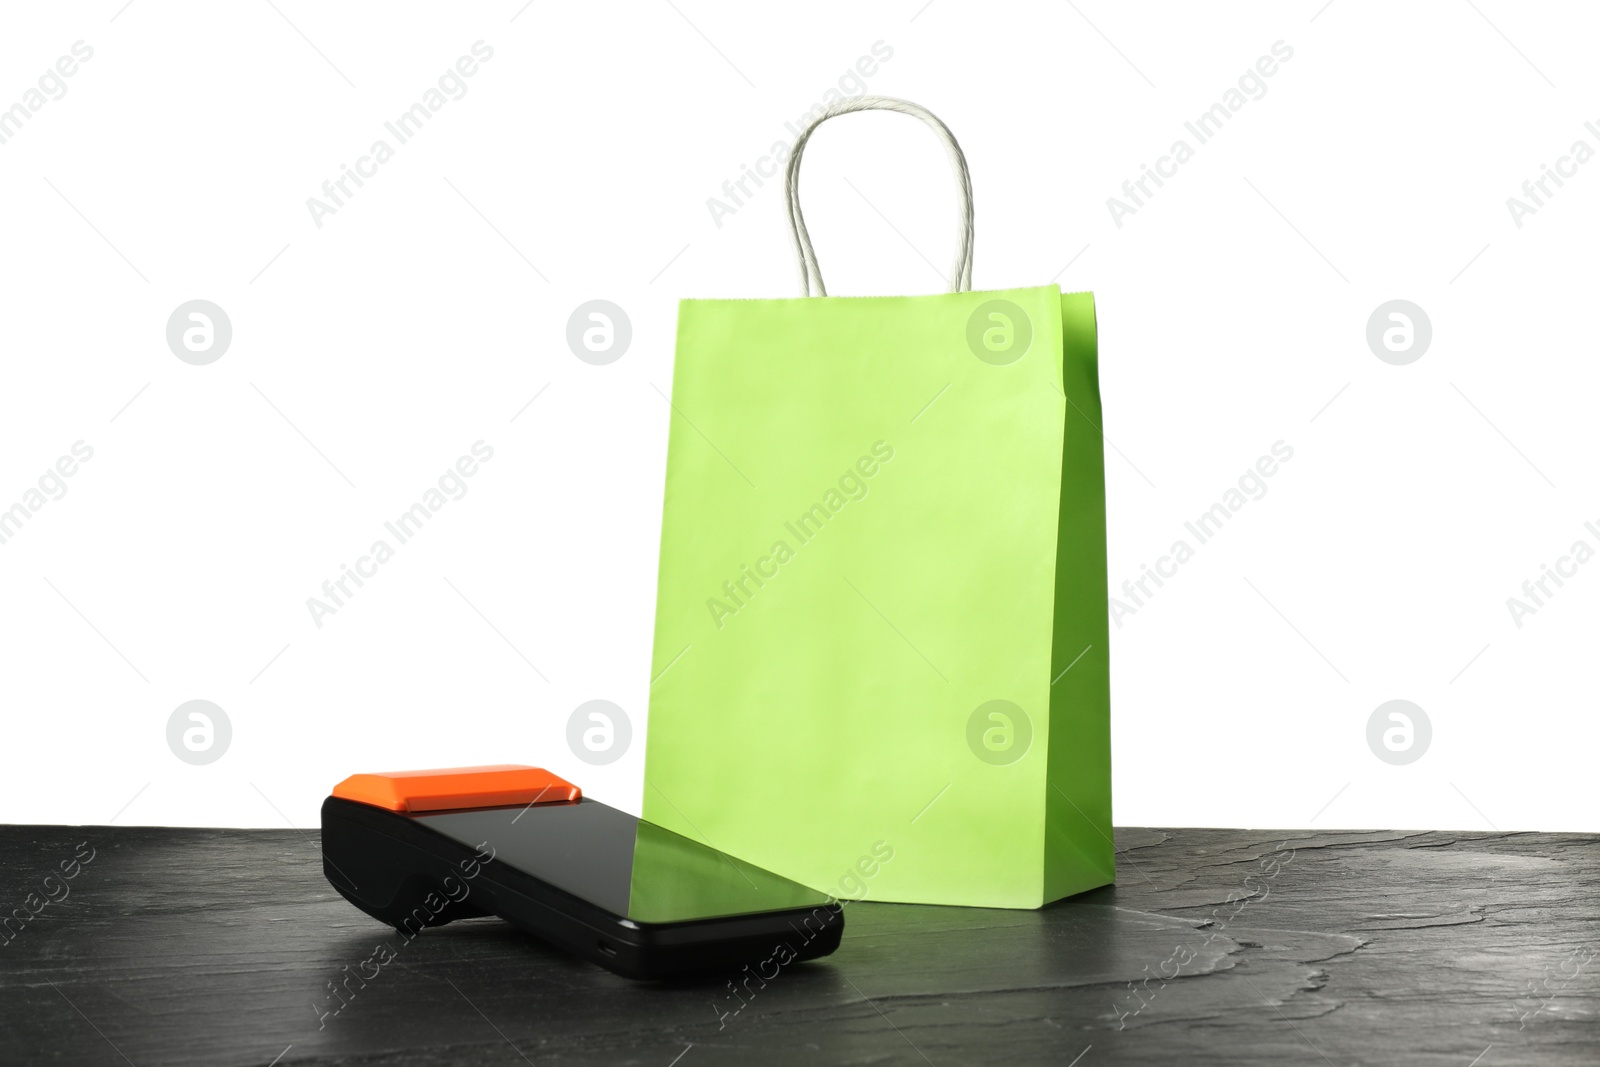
[810,273]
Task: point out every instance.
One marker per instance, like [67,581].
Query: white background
[369,353]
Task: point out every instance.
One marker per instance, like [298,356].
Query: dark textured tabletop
[223,947]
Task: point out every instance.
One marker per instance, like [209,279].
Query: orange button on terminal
[448,788]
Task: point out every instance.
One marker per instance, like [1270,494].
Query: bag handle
[810,273]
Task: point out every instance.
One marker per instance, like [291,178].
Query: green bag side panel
[1079,853]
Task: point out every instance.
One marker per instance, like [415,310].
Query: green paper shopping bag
[880,662]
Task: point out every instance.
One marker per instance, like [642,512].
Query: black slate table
[223,947]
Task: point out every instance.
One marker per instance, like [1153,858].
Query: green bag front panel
[859,557]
